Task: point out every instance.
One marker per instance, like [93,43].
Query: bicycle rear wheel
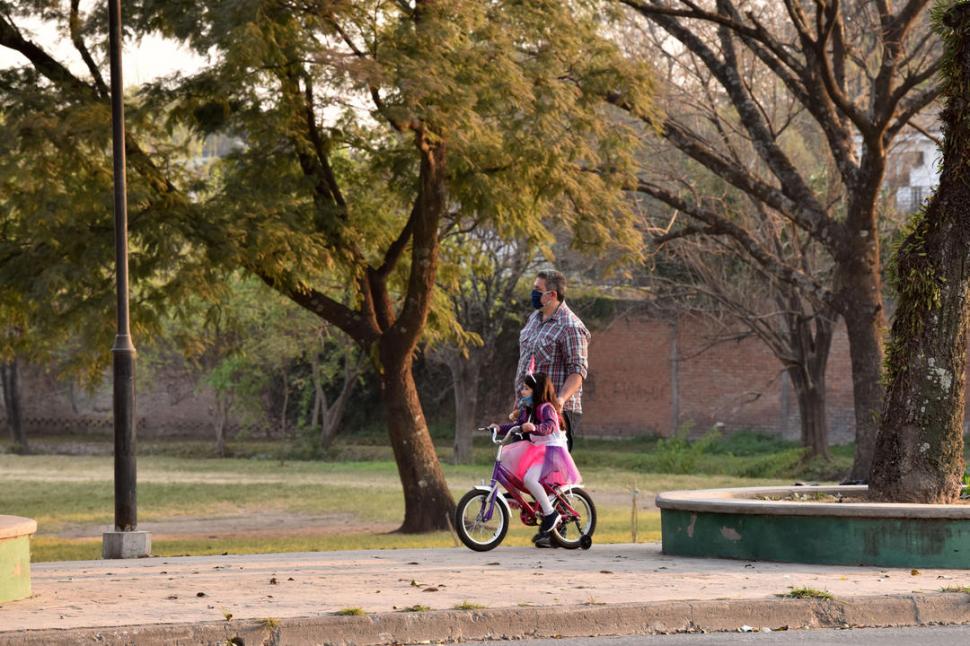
[570,532]
[475,532]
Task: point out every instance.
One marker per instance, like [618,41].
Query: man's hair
[554,280]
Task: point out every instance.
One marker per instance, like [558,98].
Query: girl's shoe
[549,521]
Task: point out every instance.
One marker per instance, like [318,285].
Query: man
[555,341]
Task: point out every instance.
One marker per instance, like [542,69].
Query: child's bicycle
[482,517]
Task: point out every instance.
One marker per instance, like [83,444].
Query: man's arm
[573,383]
[575,349]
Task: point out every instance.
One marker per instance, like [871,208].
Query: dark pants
[573,423]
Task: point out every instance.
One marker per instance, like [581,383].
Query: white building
[913,170]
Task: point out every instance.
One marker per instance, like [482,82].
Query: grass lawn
[215,506]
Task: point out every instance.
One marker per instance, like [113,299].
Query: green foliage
[749,443]
[914,272]
[915,277]
[807,593]
[949,73]
[964,589]
[56,217]
[334,108]
[351,612]
[745,454]
[677,454]
[236,344]
[416,608]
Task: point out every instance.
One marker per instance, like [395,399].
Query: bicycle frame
[515,487]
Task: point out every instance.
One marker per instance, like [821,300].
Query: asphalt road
[926,636]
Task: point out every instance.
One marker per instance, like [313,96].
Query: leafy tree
[369,128]
[484,295]
[241,345]
[919,451]
[332,362]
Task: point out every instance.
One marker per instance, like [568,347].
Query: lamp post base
[126,545]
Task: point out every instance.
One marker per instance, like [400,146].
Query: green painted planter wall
[14,568]
[889,542]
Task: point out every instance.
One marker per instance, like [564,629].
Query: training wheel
[585,541]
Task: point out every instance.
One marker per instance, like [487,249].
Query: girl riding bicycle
[544,459]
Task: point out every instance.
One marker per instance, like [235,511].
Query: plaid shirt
[559,346]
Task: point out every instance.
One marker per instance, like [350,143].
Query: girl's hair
[543,392]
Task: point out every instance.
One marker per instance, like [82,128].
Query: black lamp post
[124,541]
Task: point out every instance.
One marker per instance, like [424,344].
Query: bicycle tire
[569,535]
[472,502]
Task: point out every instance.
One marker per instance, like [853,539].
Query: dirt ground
[252,525]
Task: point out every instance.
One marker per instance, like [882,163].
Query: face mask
[536,299]
[526,401]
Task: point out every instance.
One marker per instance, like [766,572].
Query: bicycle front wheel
[473,529]
[575,526]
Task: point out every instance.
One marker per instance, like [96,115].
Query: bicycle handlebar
[501,440]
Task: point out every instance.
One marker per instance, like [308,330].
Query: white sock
[531,481]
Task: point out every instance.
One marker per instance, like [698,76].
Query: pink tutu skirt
[518,457]
[558,467]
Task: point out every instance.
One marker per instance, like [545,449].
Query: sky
[143,61]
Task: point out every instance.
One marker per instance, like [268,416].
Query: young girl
[544,459]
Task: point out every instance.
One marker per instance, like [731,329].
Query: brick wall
[654,375]
[648,375]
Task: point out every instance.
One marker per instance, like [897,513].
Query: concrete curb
[527,622]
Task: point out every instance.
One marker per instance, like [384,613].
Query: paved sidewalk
[626,589]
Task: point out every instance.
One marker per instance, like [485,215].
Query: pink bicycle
[482,516]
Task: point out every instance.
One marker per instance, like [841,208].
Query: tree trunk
[813,337]
[812,414]
[465,374]
[10,374]
[286,402]
[319,397]
[919,450]
[318,416]
[428,505]
[332,415]
[858,289]
[219,422]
